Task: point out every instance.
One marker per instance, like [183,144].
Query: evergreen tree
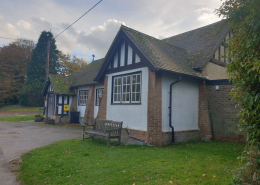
[36,70]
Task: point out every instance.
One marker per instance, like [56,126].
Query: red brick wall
[135,133]
[180,136]
[154,110]
[102,112]
[224,114]
[204,117]
[89,112]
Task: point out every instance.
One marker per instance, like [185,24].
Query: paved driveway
[21,137]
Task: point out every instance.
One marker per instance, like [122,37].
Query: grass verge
[18,108]
[17,118]
[91,162]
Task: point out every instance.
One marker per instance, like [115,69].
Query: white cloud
[100,37]
[42,24]
[1,17]
[204,9]
[161,37]
[71,30]
[208,18]
[66,44]
[8,30]
[25,25]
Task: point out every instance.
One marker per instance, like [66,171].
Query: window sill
[82,105]
[125,103]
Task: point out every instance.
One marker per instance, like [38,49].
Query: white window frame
[132,90]
[82,97]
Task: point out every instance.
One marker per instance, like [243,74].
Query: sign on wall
[66,107]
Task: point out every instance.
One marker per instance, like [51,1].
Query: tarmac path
[17,138]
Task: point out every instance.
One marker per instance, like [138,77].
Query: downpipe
[170,108]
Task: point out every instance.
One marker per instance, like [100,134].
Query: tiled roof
[200,43]
[61,84]
[161,54]
[87,75]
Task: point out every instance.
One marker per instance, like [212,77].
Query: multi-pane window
[99,94]
[136,86]
[83,97]
[117,90]
[127,89]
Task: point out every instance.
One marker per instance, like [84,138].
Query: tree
[244,70]
[70,64]
[36,70]
[13,60]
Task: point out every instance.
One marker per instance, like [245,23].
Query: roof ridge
[131,29]
[218,22]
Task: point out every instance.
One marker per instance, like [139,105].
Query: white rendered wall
[81,108]
[96,108]
[133,116]
[185,100]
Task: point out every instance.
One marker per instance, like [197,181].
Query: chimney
[93,57]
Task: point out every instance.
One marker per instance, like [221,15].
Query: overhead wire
[78,19]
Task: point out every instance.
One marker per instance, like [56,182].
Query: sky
[94,33]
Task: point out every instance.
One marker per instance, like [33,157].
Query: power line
[15,38]
[78,19]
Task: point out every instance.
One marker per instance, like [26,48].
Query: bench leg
[108,141]
[82,136]
[119,140]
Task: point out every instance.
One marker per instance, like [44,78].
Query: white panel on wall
[136,117]
[130,55]
[216,54]
[122,55]
[59,109]
[60,99]
[137,59]
[115,60]
[222,52]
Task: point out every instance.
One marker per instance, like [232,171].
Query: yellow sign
[66,107]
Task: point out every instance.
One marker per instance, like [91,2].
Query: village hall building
[164,91]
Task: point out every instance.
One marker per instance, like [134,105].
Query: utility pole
[47,61]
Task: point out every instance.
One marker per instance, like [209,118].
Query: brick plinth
[64,119]
[204,117]
[103,104]
[135,133]
[180,136]
[154,110]
[89,112]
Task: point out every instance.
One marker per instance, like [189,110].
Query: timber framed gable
[123,55]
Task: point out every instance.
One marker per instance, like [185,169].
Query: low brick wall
[180,136]
[223,114]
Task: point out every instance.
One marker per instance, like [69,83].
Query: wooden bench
[104,129]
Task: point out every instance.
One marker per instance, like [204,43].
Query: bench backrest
[103,125]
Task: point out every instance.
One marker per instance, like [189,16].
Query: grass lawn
[17,118]
[91,162]
[18,108]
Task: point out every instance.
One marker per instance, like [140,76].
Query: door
[51,105]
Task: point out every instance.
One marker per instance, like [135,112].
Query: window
[83,97]
[61,101]
[99,93]
[127,89]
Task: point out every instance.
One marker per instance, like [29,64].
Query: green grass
[17,118]
[18,108]
[91,162]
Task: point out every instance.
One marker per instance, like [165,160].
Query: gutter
[170,108]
